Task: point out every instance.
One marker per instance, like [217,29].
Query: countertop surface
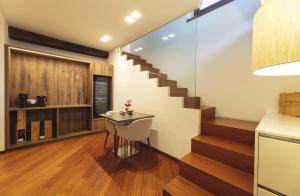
[280,126]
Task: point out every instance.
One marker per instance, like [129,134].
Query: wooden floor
[80,166]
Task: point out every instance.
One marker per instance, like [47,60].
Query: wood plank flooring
[80,166]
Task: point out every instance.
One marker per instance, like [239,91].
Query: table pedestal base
[125,152]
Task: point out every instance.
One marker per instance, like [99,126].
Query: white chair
[110,126]
[137,131]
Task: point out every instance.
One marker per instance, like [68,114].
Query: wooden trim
[35,38]
[198,12]
[7,89]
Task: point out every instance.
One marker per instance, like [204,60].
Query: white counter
[280,126]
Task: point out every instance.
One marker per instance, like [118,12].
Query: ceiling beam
[39,39]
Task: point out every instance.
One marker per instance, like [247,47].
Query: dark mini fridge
[102,93]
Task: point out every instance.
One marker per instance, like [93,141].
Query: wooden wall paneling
[72,120]
[66,82]
[51,82]
[103,69]
[63,82]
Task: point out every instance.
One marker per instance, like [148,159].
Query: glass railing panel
[172,49]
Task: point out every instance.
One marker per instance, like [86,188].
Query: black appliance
[23,100]
[41,101]
[102,91]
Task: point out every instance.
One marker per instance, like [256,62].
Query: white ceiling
[85,21]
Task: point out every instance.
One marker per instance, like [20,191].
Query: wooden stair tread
[227,144]
[158,75]
[237,178]
[165,82]
[181,187]
[133,56]
[233,123]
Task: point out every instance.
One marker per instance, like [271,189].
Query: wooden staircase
[222,157]
[175,91]
[221,161]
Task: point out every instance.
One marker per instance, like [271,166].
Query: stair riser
[178,93]
[225,156]
[193,103]
[208,182]
[238,135]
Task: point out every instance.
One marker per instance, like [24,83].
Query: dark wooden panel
[35,38]
[72,120]
[63,82]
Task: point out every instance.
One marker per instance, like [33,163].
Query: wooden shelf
[72,134]
[51,107]
[64,136]
[29,143]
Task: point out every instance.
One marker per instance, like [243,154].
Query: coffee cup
[31,101]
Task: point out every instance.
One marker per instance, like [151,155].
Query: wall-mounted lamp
[276,39]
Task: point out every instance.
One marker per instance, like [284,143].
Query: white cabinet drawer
[279,165]
[263,192]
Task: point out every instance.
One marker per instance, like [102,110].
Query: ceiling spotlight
[105,38]
[129,19]
[140,48]
[136,14]
[136,50]
[171,35]
[164,38]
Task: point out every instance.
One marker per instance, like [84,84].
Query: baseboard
[158,151]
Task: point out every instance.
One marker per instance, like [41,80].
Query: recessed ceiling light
[136,50]
[164,38]
[105,38]
[140,48]
[136,14]
[171,35]
[129,19]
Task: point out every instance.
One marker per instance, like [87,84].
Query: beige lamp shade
[276,38]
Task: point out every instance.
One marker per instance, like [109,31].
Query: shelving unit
[66,82]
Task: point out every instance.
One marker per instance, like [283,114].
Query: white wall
[224,77]
[3,39]
[223,69]
[173,126]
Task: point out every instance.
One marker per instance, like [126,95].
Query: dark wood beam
[35,38]
[200,12]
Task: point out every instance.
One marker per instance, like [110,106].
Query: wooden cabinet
[102,69]
[99,124]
